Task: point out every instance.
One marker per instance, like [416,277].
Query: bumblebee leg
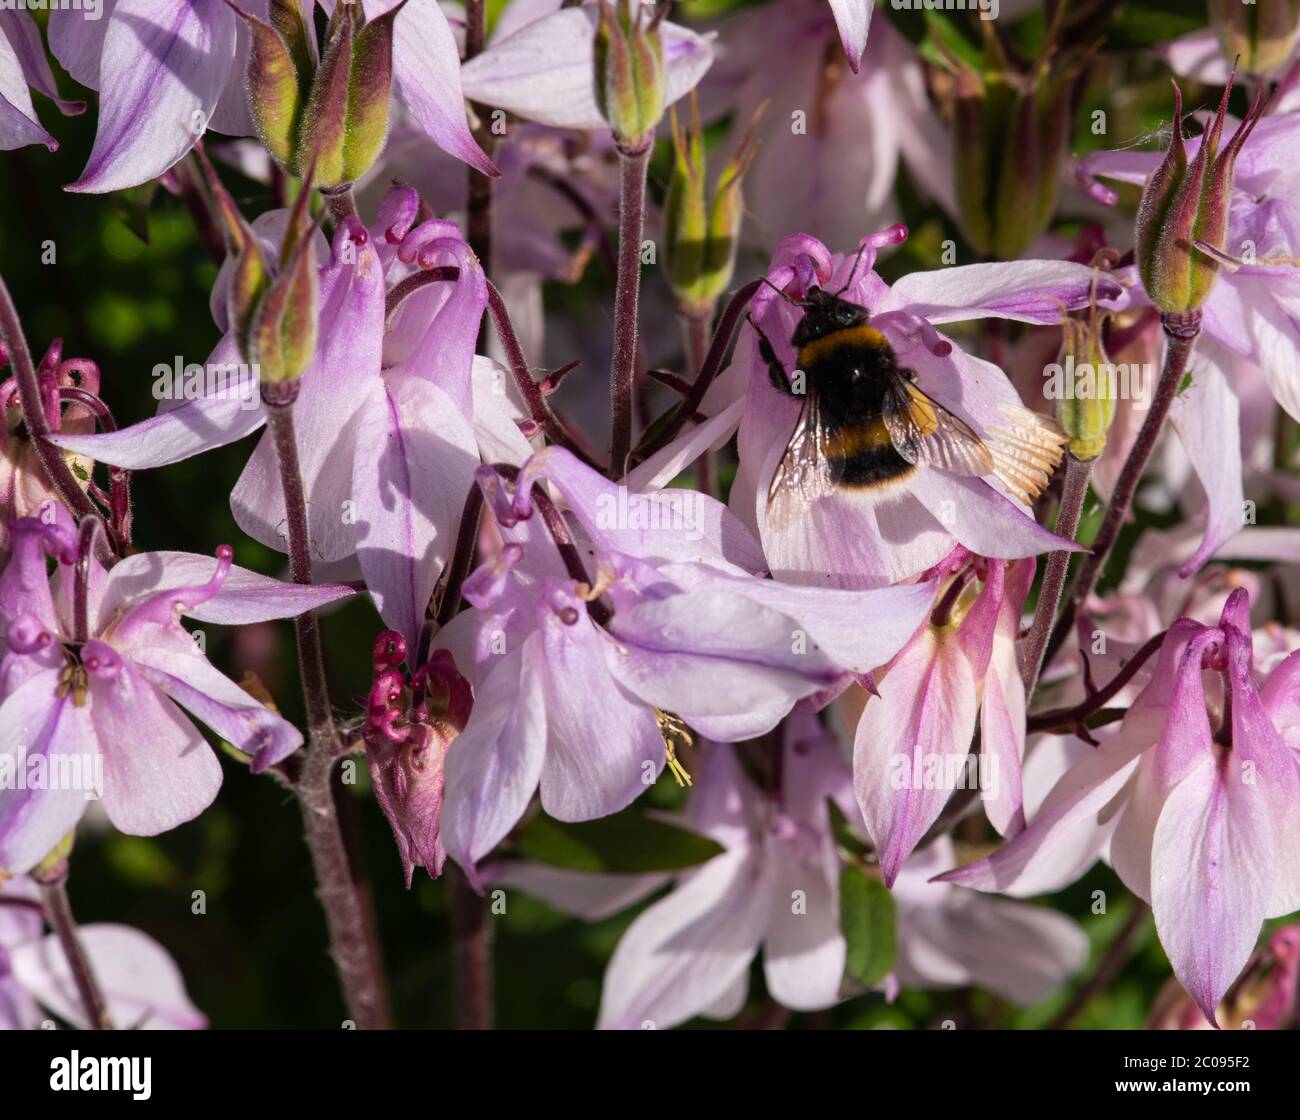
[775,370]
[910,374]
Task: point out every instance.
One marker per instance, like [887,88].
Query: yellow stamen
[675,734]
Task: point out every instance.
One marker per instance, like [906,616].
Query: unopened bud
[1260,34]
[700,250]
[1085,404]
[1185,202]
[629,75]
[335,114]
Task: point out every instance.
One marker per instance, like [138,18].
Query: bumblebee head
[825,313]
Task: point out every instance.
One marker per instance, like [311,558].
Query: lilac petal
[983,519]
[163,68]
[77,42]
[853,18]
[1197,55]
[689,949]
[663,466]
[910,740]
[19,125]
[589,895]
[24,584]
[171,436]
[716,656]
[141,984]
[338,382]
[603,747]
[25,39]
[1002,724]
[159,771]
[1212,873]
[1207,418]
[244,597]
[35,723]
[803,950]
[670,524]
[494,765]
[1026,291]
[414,465]
[1028,863]
[858,630]
[192,681]
[497,416]
[543,71]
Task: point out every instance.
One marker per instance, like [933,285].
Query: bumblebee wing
[805,472]
[926,434]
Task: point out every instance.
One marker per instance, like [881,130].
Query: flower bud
[1259,34]
[1010,133]
[700,249]
[629,76]
[1185,202]
[1085,399]
[334,114]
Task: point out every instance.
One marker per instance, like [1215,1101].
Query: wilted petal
[163,68]
[142,986]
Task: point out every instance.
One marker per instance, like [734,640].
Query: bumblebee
[866,426]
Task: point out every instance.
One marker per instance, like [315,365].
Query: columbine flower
[775,889]
[23,64]
[391,416]
[912,739]
[142,987]
[1198,790]
[860,539]
[92,667]
[579,683]
[410,723]
[167,70]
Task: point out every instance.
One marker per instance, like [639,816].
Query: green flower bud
[333,114]
[702,234]
[1085,402]
[281,333]
[1010,130]
[629,72]
[1184,206]
[1259,34]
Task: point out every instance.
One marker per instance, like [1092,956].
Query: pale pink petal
[141,984]
[589,895]
[853,18]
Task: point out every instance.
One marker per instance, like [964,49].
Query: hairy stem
[471,953]
[627,294]
[354,949]
[1077,473]
[58,913]
[1181,332]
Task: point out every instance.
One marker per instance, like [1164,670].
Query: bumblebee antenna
[784,295]
[856,261]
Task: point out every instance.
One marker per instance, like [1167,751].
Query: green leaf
[628,843]
[867,918]
[1141,25]
[848,841]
